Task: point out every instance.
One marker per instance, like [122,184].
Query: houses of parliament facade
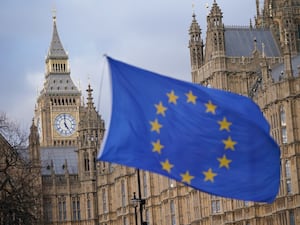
[261,61]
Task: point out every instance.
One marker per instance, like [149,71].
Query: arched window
[48,213]
[288,176]
[94,161]
[283,125]
[145,186]
[88,206]
[76,208]
[62,209]
[172,211]
[123,193]
[282,116]
[288,169]
[215,204]
[104,202]
[86,161]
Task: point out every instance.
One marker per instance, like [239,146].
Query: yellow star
[155,126]
[191,98]
[167,165]
[157,147]
[186,177]
[224,124]
[229,143]
[210,107]
[160,109]
[172,97]
[224,162]
[209,175]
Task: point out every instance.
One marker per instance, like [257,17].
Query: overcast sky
[149,34]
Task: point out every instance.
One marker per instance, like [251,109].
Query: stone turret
[215,40]
[91,131]
[196,45]
[34,144]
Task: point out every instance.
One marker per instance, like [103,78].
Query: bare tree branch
[19,180]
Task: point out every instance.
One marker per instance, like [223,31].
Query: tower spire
[90,103]
[57,60]
[54,14]
[56,49]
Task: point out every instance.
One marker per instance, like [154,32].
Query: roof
[59,156]
[240,41]
[279,69]
[56,49]
[60,83]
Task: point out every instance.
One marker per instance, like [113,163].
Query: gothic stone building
[261,61]
[67,136]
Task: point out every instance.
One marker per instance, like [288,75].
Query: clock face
[65,124]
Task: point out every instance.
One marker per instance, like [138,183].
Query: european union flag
[212,140]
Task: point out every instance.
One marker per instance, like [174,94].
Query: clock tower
[64,140]
[57,113]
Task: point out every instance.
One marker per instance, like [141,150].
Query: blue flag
[212,140]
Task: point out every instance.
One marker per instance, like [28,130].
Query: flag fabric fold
[215,141]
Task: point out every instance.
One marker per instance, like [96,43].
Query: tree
[19,177]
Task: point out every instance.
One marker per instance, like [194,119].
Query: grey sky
[149,34]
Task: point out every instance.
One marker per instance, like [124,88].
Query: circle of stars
[224,126]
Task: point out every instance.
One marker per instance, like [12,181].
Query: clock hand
[66,125]
[65,122]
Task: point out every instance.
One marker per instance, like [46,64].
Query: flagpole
[138,201]
[142,201]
